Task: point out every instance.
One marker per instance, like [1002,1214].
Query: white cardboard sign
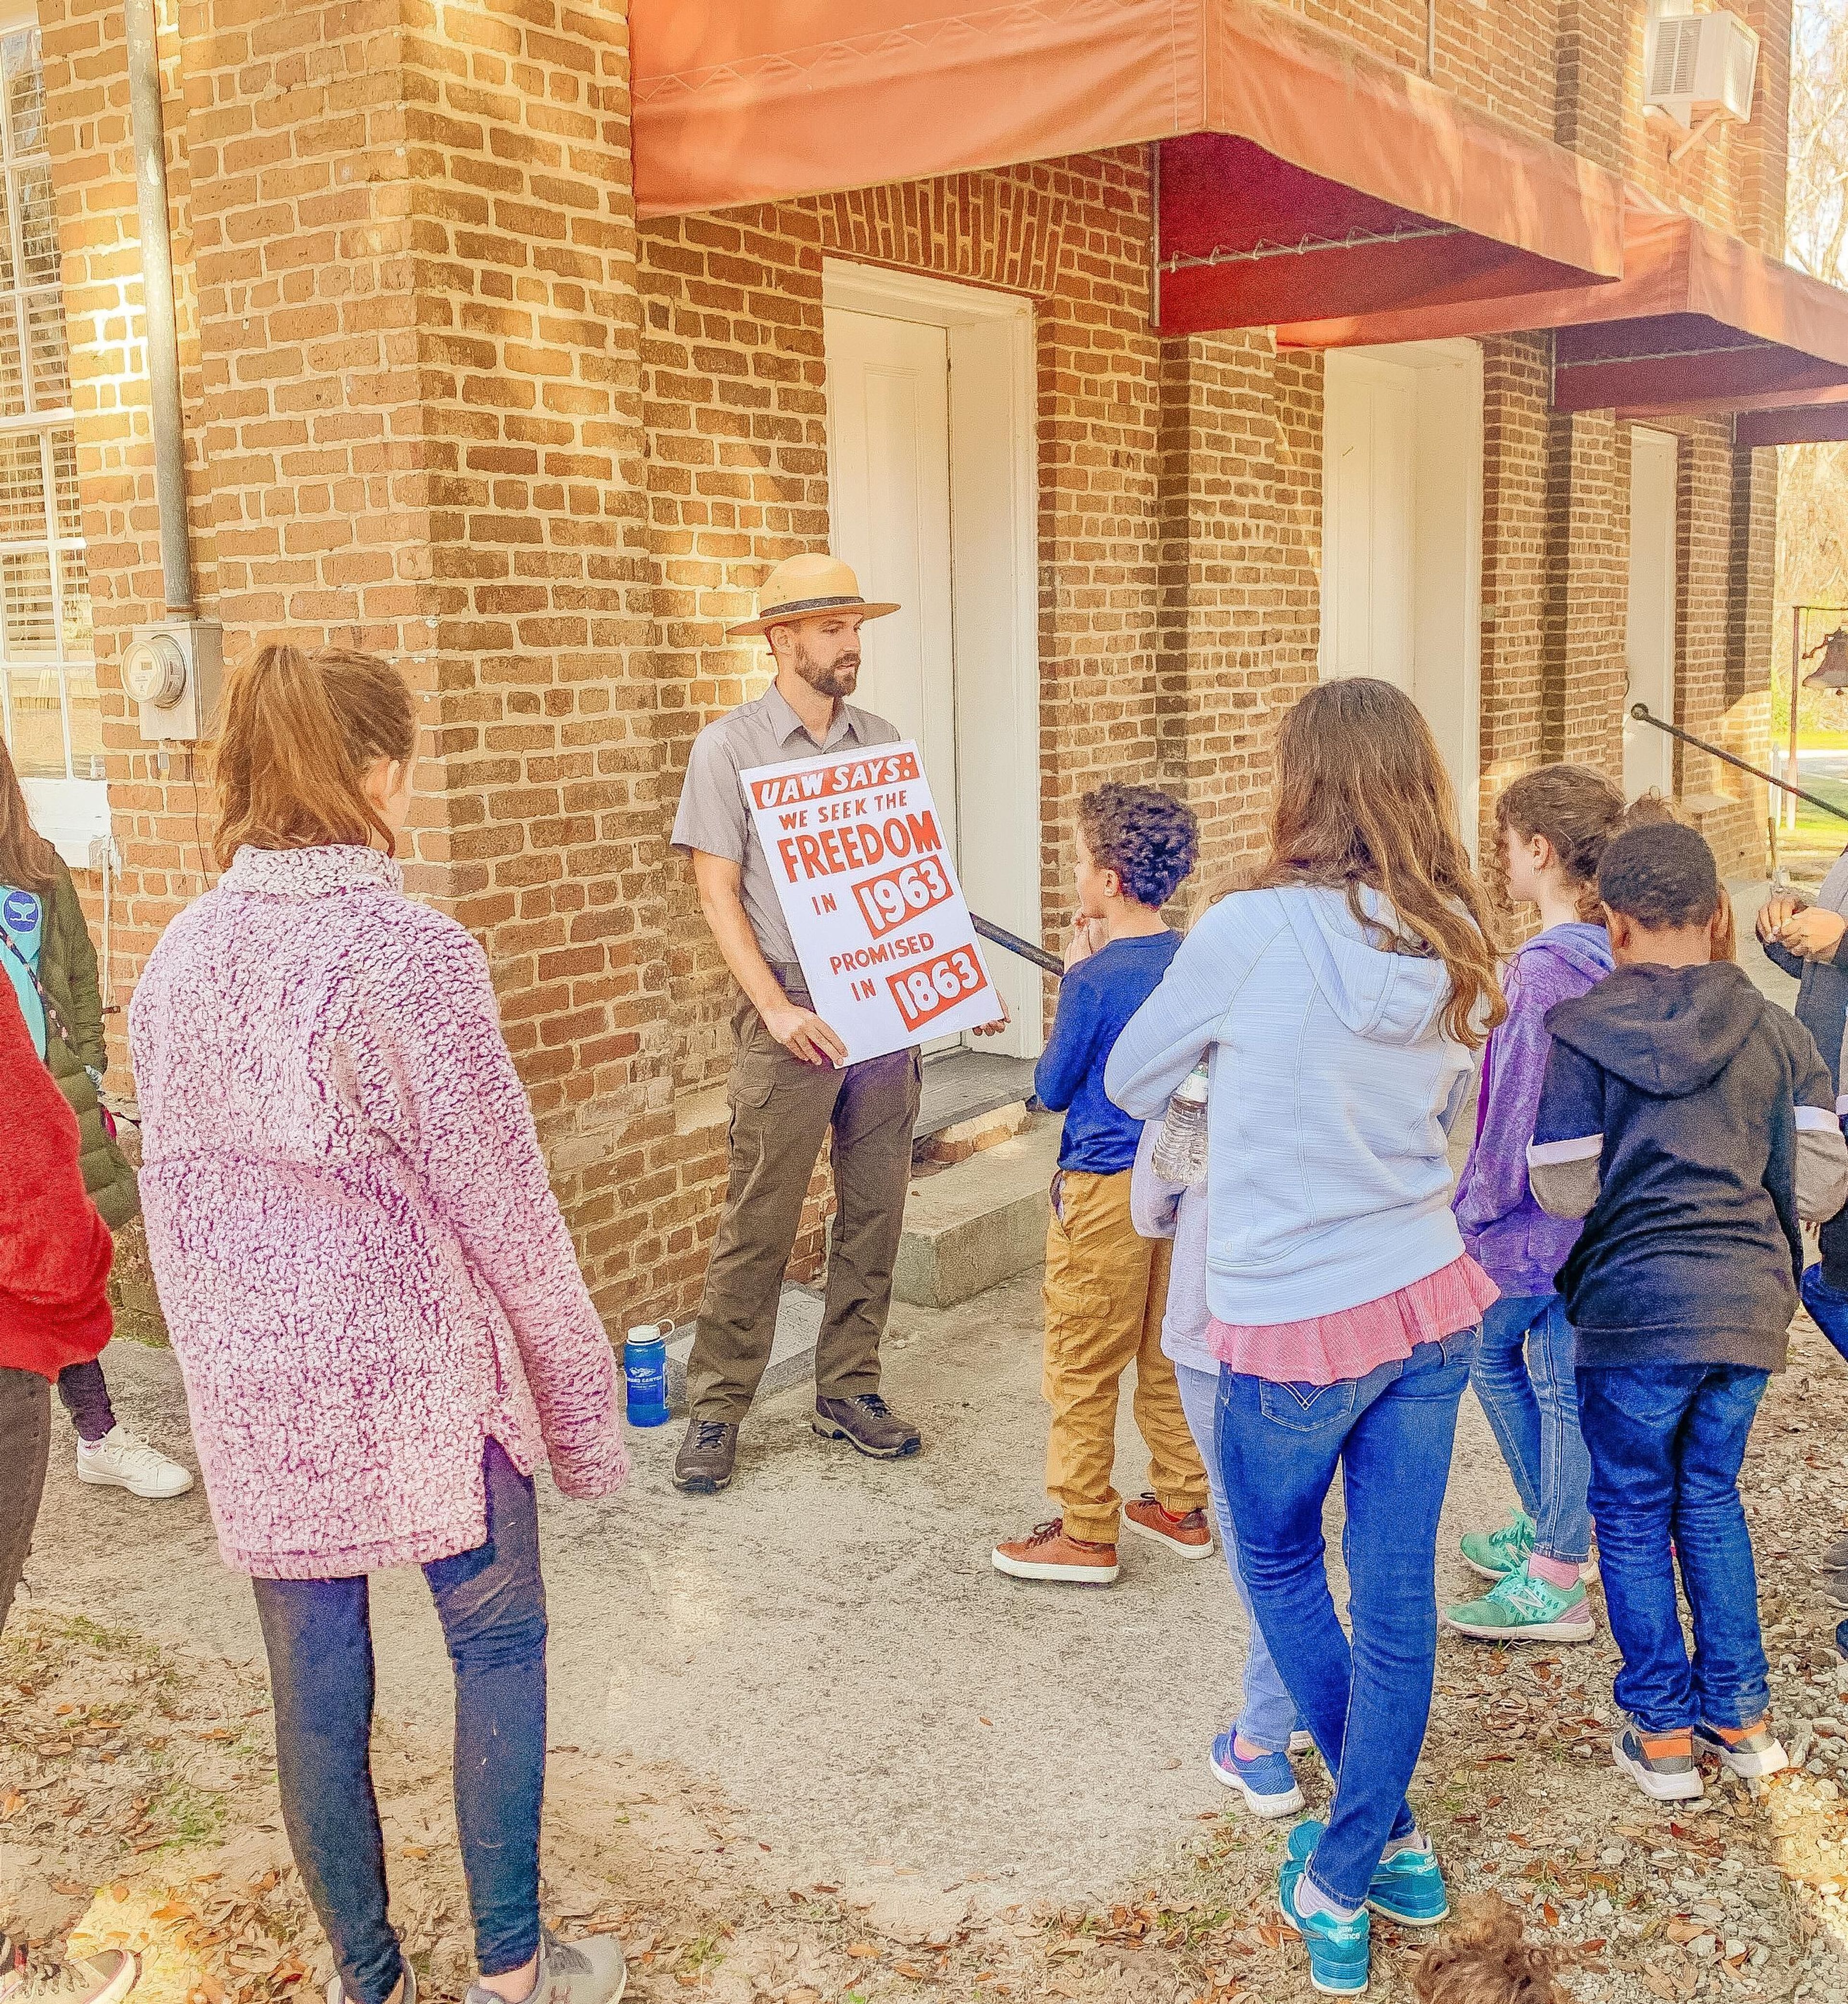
[884,938]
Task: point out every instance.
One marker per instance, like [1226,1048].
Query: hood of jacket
[1392,997]
[1666,1030]
[1584,949]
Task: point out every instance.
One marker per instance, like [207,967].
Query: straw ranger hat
[807,588]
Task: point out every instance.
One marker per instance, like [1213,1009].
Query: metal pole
[996,935]
[157,303]
[1796,663]
[1643,713]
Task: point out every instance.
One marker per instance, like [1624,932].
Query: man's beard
[833,678]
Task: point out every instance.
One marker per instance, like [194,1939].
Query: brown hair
[1575,809]
[27,860]
[1485,1958]
[1363,798]
[299,730]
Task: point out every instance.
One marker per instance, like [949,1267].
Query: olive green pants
[781,1111]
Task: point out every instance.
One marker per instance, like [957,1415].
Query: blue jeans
[1390,1433]
[1524,1378]
[1269,1714]
[1666,1442]
[318,1636]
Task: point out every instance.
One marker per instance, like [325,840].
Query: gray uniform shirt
[713,815]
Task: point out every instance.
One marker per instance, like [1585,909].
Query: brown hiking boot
[1049,1553]
[870,1423]
[704,1465]
[1187,1537]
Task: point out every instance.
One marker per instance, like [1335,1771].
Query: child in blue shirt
[1105,1285]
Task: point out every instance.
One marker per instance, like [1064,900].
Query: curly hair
[1150,839]
[1485,1959]
[1575,809]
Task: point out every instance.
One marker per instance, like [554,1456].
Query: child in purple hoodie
[1552,825]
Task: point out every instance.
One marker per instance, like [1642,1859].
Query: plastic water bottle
[1180,1155]
[645,1374]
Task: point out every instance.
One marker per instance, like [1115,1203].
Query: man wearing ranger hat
[788,1086]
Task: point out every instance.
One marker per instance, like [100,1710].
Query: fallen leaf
[863,1951]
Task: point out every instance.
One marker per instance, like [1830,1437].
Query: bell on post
[1832,671]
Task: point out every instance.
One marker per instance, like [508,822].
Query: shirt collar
[313,873]
[787,724]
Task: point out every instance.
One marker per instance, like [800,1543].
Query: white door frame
[1649,754]
[1447,556]
[994,541]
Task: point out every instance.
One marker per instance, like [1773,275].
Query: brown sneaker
[1048,1553]
[1186,1537]
[870,1423]
[704,1465]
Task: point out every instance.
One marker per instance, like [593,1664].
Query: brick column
[1239,626]
[415,420]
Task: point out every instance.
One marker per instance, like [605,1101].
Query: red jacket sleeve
[54,1249]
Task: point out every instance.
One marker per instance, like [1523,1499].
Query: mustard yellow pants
[1105,1289]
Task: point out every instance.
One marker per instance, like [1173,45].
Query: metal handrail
[996,935]
[1644,714]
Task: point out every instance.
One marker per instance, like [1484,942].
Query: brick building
[1159,359]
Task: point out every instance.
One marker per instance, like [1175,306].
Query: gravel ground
[137,1805]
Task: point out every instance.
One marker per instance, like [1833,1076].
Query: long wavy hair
[1363,800]
[28,862]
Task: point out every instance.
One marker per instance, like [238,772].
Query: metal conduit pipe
[157,298]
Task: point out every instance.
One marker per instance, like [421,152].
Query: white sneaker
[101,1979]
[583,1972]
[120,1461]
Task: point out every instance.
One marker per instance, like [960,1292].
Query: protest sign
[885,941]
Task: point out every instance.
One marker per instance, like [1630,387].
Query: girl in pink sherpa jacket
[372,1297]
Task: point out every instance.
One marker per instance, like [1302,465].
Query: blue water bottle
[645,1373]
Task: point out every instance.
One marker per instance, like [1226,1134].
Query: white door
[1401,536]
[1649,625]
[1367,520]
[888,458]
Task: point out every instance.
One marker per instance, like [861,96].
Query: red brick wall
[444,399]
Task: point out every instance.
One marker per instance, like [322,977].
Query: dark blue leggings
[318,1635]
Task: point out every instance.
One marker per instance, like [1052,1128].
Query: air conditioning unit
[1699,66]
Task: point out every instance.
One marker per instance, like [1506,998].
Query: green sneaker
[1521,1609]
[1494,1554]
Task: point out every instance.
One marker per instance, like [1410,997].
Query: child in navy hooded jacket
[1552,825]
[1691,1124]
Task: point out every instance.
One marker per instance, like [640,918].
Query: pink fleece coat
[363,1269]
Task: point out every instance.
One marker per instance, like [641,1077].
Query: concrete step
[979,1223]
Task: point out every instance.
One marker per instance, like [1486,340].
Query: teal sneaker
[1522,1609]
[1407,1887]
[1339,1950]
[1494,1554]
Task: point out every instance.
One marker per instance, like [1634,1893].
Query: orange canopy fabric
[736,104]
[1700,321]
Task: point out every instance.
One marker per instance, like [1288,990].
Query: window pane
[23,77]
[64,483]
[12,375]
[80,640]
[38,745]
[50,357]
[21,488]
[87,722]
[38,224]
[26,617]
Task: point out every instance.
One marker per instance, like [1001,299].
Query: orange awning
[1700,321]
[1335,153]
